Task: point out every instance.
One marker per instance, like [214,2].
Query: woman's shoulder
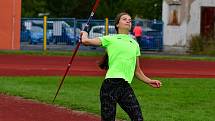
[107,36]
[110,36]
[132,36]
[116,36]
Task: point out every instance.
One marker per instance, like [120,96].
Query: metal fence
[152,36]
[63,33]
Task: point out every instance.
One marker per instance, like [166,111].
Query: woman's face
[124,22]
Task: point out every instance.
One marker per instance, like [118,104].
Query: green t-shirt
[122,52]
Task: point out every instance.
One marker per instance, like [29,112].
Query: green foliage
[202,45]
[69,8]
[31,8]
[196,44]
[149,9]
[209,45]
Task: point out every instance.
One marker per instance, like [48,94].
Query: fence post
[106,26]
[44,33]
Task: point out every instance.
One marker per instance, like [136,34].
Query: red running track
[18,109]
[23,65]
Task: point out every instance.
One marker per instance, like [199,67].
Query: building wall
[190,22]
[175,35]
[194,25]
[10,11]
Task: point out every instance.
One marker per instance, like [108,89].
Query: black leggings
[117,90]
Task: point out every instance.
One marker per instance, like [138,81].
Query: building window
[174,13]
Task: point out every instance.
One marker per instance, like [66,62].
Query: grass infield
[178,100]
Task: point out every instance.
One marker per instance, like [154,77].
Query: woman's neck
[123,32]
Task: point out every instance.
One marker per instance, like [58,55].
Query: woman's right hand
[84,35]
[86,41]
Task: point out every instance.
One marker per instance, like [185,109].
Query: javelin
[76,49]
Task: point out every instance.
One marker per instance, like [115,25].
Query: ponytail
[103,63]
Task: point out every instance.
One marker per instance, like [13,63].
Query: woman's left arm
[141,76]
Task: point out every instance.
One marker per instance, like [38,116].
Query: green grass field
[178,99]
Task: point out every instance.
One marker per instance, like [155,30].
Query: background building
[184,18]
[10,11]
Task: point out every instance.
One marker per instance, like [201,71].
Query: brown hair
[103,63]
[117,20]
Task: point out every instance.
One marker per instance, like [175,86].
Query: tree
[149,9]
[31,8]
